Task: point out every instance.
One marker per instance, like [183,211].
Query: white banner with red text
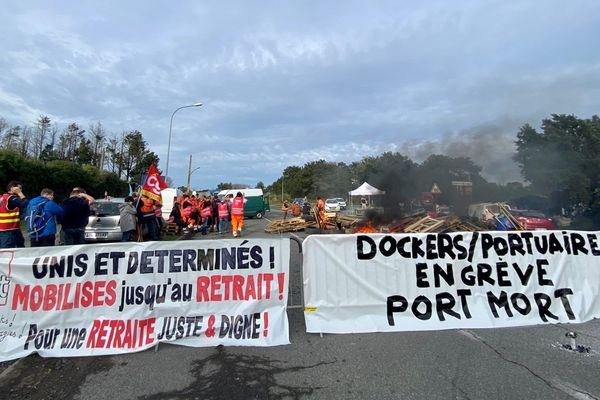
[120,298]
[431,281]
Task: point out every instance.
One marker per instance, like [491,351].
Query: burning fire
[366,228]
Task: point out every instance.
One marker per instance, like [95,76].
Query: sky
[286,83]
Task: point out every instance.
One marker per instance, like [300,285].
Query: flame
[367,228]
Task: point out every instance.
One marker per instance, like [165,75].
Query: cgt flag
[153,184]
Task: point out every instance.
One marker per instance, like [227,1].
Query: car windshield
[105,209]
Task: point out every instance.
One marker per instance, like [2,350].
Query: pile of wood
[172,229]
[286,225]
[423,224]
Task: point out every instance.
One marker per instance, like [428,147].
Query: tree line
[47,155]
[560,165]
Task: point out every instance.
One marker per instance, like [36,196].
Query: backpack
[36,219]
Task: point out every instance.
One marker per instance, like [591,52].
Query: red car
[533,219]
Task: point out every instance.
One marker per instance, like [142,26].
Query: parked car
[332,205]
[533,219]
[103,224]
[341,202]
[298,200]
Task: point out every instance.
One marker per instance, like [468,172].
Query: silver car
[103,223]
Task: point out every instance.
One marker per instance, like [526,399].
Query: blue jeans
[127,236]
[11,239]
[224,224]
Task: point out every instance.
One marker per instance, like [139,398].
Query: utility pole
[189,174]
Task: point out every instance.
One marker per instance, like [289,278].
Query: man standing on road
[76,212]
[223,209]
[11,204]
[42,227]
[237,214]
[285,208]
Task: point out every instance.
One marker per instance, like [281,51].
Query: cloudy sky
[287,82]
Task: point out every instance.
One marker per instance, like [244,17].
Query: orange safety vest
[206,210]
[223,210]
[9,219]
[237,206]
[147,208]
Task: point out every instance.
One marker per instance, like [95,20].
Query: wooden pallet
[425,224]
[172,229]
[287,225]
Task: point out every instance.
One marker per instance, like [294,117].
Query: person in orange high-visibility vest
[11,204]
[237,214]
[320,211]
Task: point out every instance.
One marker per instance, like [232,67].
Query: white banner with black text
[411,282]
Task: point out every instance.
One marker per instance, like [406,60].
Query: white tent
[366,190]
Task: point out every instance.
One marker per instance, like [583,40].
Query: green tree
[562,160]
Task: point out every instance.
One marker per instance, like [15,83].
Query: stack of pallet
[286,225]
[423,224]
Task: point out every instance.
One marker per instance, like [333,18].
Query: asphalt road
[509,363]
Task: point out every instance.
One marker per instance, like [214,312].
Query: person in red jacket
[237,214]
[223,209]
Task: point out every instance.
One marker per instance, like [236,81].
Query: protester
[237,214]
[363,202]
[148,217]
[223,208]
[205,214]
[128,220]
[76,212]
[175,217]
[285,208]
[306,208]
[296,210]
[320,211]
[11,204]
[214,218]
[41,216]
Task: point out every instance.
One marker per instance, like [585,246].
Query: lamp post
[170,128]
[190,172]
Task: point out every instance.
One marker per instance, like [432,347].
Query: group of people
[139,215]
[296,209]
[42,215]
[209,214]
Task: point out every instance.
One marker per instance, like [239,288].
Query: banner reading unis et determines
[405,282]
[119,298]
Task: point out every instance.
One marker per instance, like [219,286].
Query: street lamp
[190,176]
[170,128]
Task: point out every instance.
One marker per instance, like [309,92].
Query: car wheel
[259,214]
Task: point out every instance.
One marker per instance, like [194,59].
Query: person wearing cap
[76,211]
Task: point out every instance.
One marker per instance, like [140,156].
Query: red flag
[153,184]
